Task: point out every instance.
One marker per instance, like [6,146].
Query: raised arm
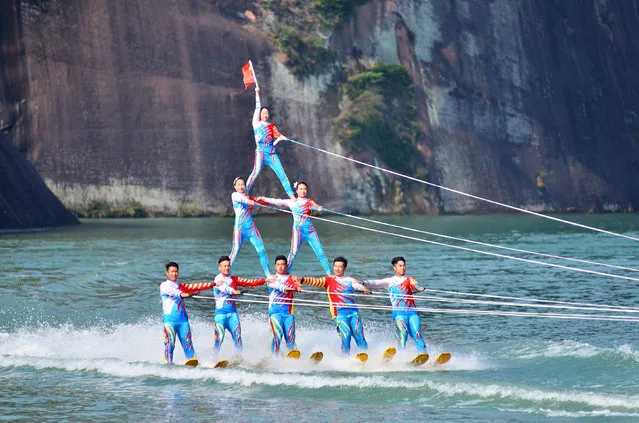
[248,282]
[316,282]
[258,106]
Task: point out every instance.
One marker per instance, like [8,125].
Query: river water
[81,328]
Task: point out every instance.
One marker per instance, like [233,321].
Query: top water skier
[266,137]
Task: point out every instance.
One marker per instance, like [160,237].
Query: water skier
[266,137]
[340,290]
[303,229]
[280,298]
[226,317]
[244,226]
[174,316]
[404,314]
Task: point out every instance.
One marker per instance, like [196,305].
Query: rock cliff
[528,103]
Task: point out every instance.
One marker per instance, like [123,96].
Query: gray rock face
[25,201]
[528,103]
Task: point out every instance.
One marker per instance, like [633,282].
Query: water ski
[222,364]
[192,362]
[317,356]
[442,358]
[389,353]
[420,359]
[363,357]
[294,354]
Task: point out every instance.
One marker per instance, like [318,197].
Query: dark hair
[237,179]
[396,259]
[264,107]
[172,264]
[342,259]
[223,258]
[298,183]
[280,257]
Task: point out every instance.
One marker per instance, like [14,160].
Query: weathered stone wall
[529,103]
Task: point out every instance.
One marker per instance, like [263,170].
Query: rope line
[593,307]
[310,303]
[485,244]
[465,248]
[568,222]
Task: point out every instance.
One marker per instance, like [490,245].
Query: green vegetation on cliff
[298,28]
[380,115]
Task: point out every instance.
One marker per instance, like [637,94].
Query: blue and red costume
[244,228]
[303,229]
[175,318]
[226,317]
[265,135]
[340,290]
[404,312]
[280,310]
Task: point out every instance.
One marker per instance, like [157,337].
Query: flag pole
[254,76]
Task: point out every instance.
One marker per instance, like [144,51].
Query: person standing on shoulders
[303,229]
[244,226]
[266,137]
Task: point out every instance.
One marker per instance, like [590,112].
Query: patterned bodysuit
[226,317]
[303,230]
[404,314]
[280,310]
[244,228]
[176,321]
[340,290]
[265,154]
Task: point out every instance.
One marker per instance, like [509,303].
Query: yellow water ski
[389,353]
[419,359]
[317,356]
[363,357]
[192,362]
[222,364]
[294,354]
[442,358]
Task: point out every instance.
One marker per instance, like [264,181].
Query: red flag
[248,75]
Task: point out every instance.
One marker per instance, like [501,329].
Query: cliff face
[528,103]
[25,200]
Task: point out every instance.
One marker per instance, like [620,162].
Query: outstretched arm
[316,206]
[416,286]
[316,282]
[282,202]
[377,283]
[248,282]
[192,288]
[359,286]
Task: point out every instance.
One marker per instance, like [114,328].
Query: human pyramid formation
[282,286]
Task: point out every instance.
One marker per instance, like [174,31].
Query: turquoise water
[81,338]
